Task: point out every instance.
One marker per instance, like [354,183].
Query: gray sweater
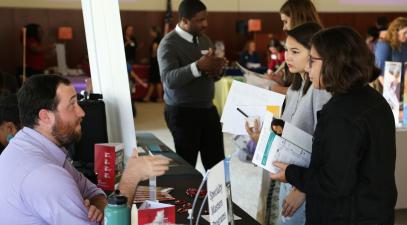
[301,110]
[181,88]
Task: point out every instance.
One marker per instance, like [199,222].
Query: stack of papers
[288,144]
[143,194]
[256,79]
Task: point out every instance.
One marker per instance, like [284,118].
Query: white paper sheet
[153,205]
[250,99]
[235,217]
[256,79]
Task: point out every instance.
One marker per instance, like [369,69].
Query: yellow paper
[276,110]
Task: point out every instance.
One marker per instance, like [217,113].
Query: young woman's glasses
[311,60]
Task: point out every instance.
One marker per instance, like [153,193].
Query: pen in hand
[243,113]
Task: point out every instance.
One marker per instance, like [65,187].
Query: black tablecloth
[182,176]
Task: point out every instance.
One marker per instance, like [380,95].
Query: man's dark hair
[346,64]
[38,92]
[303,34]
[189,8]
[9,109]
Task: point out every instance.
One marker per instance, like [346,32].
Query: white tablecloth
[401,168]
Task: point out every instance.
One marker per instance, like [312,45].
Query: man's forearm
[127,187]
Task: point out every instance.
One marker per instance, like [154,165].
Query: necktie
[195,40]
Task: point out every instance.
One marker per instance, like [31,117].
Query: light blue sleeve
[50,193]
[382,54]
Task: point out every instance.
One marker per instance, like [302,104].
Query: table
[401,168]
[184,176]
[222,88]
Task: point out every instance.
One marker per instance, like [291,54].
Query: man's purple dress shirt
[39,185]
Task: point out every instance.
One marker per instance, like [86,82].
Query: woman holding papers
[292,13]
[350,179]
[302,103]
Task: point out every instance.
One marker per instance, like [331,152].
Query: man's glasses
[311,60]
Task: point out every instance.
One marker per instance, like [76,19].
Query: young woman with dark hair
[302,104]
[355,133]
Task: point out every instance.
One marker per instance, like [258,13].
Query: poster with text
[217,195]
[391,88]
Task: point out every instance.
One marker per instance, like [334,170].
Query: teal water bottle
[117,212]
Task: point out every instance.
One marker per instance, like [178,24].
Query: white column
[104,40]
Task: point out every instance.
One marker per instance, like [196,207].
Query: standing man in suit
[188,69]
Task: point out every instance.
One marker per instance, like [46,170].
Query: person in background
[249,58]
[130,44]
[8,84]
[154,79]
[9,119]
[372,37]
[43,187]
[393,47]
[189,69]
[292,14]
[36,50]
[275,54]
[355,132]
[134,80]
[382,23]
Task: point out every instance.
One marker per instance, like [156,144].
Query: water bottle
[152,185]
[117,212]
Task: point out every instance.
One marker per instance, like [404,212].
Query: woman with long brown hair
[393,47]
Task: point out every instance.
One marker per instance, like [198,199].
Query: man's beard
[65,133]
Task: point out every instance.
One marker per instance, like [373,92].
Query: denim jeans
[299,216]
